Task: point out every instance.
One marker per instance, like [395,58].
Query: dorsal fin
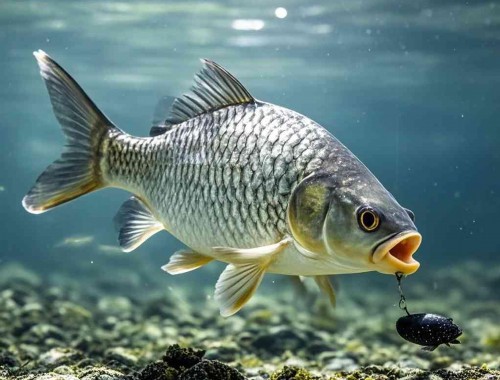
[214,88]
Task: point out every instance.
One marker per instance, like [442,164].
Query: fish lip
[404,244]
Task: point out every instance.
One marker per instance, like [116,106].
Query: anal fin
[326,287]
[135,223]
[185,261]
[241,278]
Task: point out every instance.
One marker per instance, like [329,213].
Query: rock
[55,376]
[317,347]
[158,371]
[41,332]
[60,356]
[226,352]
[63,370]
[182,358]
[341,364]
[211,370]
[279,339]
[121,355]
[72,315]
[116,306]
[8,360]
[292,373]
[101,374]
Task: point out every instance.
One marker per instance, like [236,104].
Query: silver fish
[237,180]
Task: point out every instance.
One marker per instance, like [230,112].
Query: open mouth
[396,254]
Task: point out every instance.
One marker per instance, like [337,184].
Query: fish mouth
[396,253]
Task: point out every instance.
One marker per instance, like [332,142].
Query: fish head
[354,224]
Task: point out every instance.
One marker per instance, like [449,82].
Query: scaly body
[222,179]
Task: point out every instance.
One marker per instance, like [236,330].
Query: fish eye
[411,214]
[368,219]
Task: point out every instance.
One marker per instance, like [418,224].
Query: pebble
[341,364]
[122,355]
[60,356]
[69,332]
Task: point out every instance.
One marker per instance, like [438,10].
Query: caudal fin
[77,171]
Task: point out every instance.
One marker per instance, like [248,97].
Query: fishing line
[402,299]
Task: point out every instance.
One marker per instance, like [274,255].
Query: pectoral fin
[243,275]
[246,255]
[236,285]
[135,223]
[326,287]
[185,261]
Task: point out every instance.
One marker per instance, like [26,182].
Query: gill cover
[307,210]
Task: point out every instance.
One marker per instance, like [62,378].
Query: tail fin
[77,172]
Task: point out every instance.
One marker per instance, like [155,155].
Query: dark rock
[226,353]
[182,358]
[211,370]
[317,347]
[8,360]
[158,371]
[278,340]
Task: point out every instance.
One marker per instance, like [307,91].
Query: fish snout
[396,254]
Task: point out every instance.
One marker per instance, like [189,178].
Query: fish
[75,241]
[428,330]
[255,185]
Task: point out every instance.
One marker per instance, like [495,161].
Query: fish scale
[203,207]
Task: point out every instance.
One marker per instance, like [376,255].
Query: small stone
[55,376]
[101,374]
[317,347]
[60,356]
[292,373]
[279,339]
[341,364]
[121,355]
[8,360]
[117,306]
[63,370]
[226,352]
[41,332]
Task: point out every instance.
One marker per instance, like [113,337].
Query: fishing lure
[425,329]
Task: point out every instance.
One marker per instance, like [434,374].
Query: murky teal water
[411,88]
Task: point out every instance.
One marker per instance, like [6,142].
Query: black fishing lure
[428,330]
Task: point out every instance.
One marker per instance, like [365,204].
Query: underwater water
[411,88]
